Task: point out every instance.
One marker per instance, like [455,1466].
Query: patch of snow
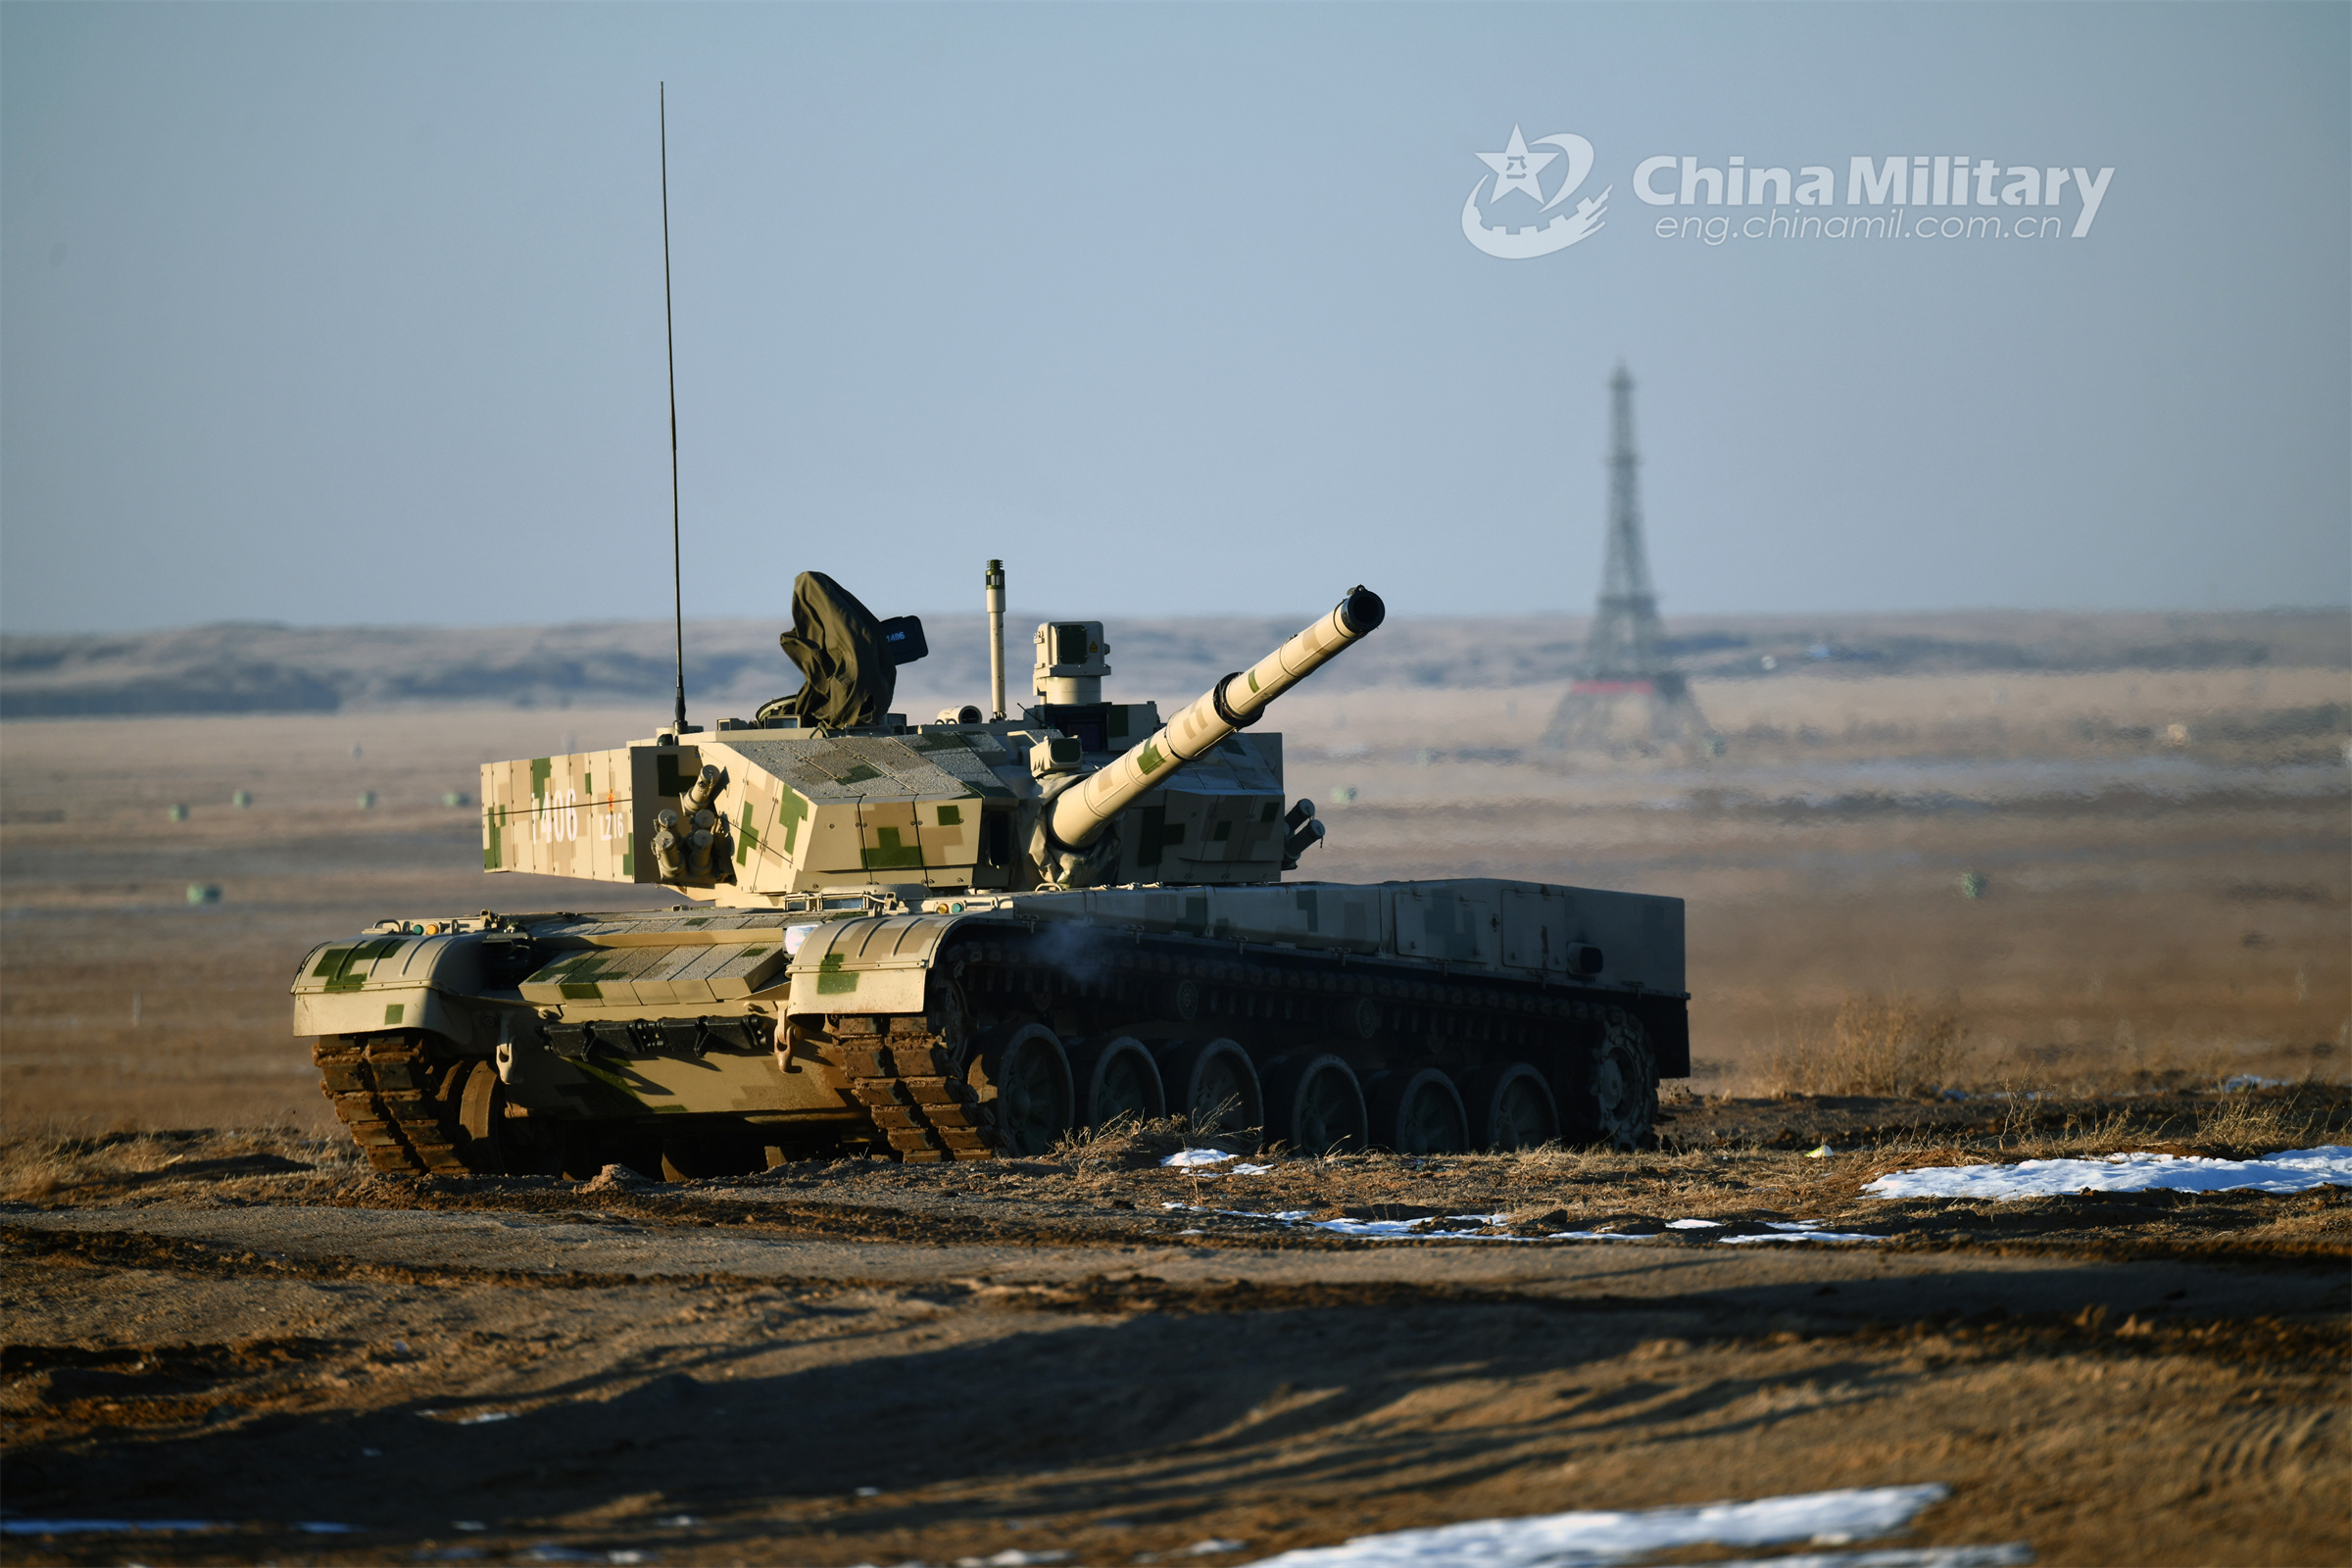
[2295,1171]
[1013,1557]
[1586,1538]
[1211,1546]
[1450,1227]
[1998,1556]
[483,1419]
[2247,1080]
[1199,1160]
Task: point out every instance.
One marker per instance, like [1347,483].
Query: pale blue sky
[352,314]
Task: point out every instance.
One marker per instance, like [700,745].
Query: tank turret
[1077,792]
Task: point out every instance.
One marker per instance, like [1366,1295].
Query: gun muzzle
[1081,813]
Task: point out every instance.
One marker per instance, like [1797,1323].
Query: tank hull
[1440,1014]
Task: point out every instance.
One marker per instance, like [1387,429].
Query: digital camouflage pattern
[931,939]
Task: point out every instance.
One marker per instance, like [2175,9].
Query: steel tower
[1627,693]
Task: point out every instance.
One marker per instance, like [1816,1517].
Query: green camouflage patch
[832,980]
[1154,835]
[888,854]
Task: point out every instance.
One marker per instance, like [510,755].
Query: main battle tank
[964,939]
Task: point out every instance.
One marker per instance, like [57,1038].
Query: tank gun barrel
[1081,813]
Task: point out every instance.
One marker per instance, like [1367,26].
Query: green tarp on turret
[837,643]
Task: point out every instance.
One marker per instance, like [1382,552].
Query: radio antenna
[677,589]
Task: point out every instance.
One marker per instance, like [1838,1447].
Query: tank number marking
[558,820]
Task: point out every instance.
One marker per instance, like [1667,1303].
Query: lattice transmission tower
[1627,695]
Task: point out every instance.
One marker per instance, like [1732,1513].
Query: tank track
[907,1083]
[401,1102]
[906,1077]
[398,1102]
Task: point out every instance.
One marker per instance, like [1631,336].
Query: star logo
[1516,168]
[1519,167]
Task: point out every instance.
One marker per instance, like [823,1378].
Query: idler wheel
[1117,1078]
[1026,1076]
[1315,1104]
[1214,1084]
[1510,1106]
[1417,1111]
[1611,1097]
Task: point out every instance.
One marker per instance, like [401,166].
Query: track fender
[368,983]
[871,965]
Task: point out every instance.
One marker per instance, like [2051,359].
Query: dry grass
[2264,1125]
[1891,1046]
[1128,1143]
[58,1164]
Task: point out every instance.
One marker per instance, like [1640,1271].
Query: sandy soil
[248,1328]
[855,1362]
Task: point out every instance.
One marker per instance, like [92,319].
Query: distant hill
[734,664]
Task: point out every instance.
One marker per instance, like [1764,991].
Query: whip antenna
[677,591]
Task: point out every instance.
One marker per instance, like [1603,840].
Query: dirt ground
[858,1362]
[214,1314]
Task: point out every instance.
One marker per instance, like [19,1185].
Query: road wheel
[1417,1111]
[1214,1084]
[1511,1107]
[1612,1096]
[1115,1078]
[1025,1075]
[1316,1106]
[699,1157]
[489,1141]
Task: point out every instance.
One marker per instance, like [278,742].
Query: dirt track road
[872,1364]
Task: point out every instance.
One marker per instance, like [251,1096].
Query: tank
[966,938]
